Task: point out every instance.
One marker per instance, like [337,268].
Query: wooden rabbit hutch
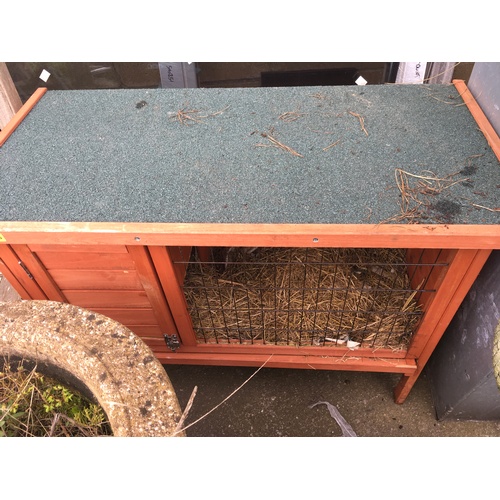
[334,228]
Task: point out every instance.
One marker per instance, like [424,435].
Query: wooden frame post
[20,115]
[172,289]
[460,277]
[10,102]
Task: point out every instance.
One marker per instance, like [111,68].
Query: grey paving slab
[277,403]
[214,155]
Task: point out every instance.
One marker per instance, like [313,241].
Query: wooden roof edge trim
[478,114]
[219,234]
[16,120]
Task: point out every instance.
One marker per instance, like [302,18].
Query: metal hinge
[172,341]
[25,269]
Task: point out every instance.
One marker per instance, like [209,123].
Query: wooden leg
[460,277]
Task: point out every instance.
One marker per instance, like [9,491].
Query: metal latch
[172,341]
[25,269]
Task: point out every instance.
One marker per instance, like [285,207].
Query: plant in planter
[32,404]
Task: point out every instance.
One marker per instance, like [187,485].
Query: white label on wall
[44,75]
[177,75]
[411,72]
[361,81]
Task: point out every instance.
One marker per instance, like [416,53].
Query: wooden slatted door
[115,280]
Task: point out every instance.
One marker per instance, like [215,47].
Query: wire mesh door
[309,296]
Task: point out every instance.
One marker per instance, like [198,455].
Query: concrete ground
[276,402]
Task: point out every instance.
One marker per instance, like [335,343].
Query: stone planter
[97,356]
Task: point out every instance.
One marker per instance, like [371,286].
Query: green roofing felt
[214,155]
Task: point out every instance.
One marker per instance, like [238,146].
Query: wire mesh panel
[308,296]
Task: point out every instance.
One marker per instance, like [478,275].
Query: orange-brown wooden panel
[173,290]
[180,257]
[131,316]
[256,348]
[157,342]
[446,292]
[59,249]
[152,287]
[7,131]
[353,363]
[22,275]
[150,331]
[484,236]
[76,279]
[13,281]
[481,119]
[464,270]
[430,267]
[140,321]
[85,260]
[107,298]
[40,274]
[204,253]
